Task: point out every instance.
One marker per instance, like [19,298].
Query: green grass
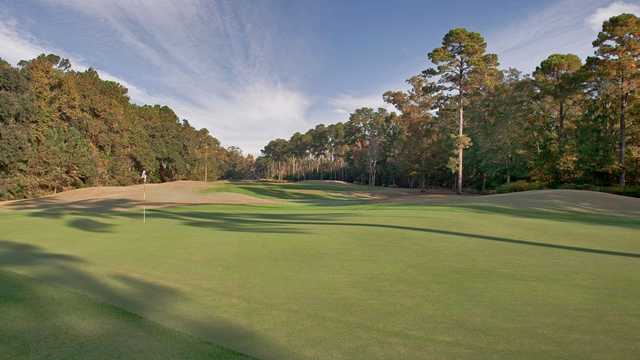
[41,321]
[322,275]
[315,193]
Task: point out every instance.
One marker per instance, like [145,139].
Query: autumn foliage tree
[63,129]
[618,57]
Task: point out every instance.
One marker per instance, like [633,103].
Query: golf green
[324,273]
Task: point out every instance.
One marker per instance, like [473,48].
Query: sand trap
[124,197]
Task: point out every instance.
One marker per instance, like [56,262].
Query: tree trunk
[460,146]
[454,182]
[558,174]
[372,173]
[623,99]
[206,170]
[561,116]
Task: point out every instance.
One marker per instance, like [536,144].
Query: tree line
[62,129]
[463,122]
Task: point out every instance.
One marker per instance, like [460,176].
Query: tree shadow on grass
[60,311]
[51,208]
[292,193]
[90,225]
[288,220]
[90,216]
[498,239]
[290,223]
[266,223]
[558,215]
[108,208]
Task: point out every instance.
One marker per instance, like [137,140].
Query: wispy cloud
[604,13]
[558,28]
[17,44]
[567,26]
[160,30]
[214,62]
[14,45]
[233,68]
[346,104]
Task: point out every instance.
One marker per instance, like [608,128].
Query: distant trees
[277,151]
[62,129]
[568,122]
[366,130]
[238,166]
[423,143]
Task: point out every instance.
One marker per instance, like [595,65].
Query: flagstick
[206,148]
[144,203]
[143,176]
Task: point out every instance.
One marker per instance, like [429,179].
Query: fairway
[321,270]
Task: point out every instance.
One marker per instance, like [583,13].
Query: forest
[464,123]
[62,129]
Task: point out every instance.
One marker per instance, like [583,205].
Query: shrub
[571,186]
[523,185]
[633,191]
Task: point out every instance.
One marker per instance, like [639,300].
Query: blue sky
[254,70]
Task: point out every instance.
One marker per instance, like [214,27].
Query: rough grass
[329,273]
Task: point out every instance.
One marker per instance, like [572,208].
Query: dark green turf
[40,321]
[319,276]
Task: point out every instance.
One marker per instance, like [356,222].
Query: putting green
[329,271]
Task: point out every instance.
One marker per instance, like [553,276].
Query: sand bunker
[124,197]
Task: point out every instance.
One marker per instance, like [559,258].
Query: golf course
[318,270]
[319,180]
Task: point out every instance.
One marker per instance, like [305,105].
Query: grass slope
[307,192]
[327,274]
